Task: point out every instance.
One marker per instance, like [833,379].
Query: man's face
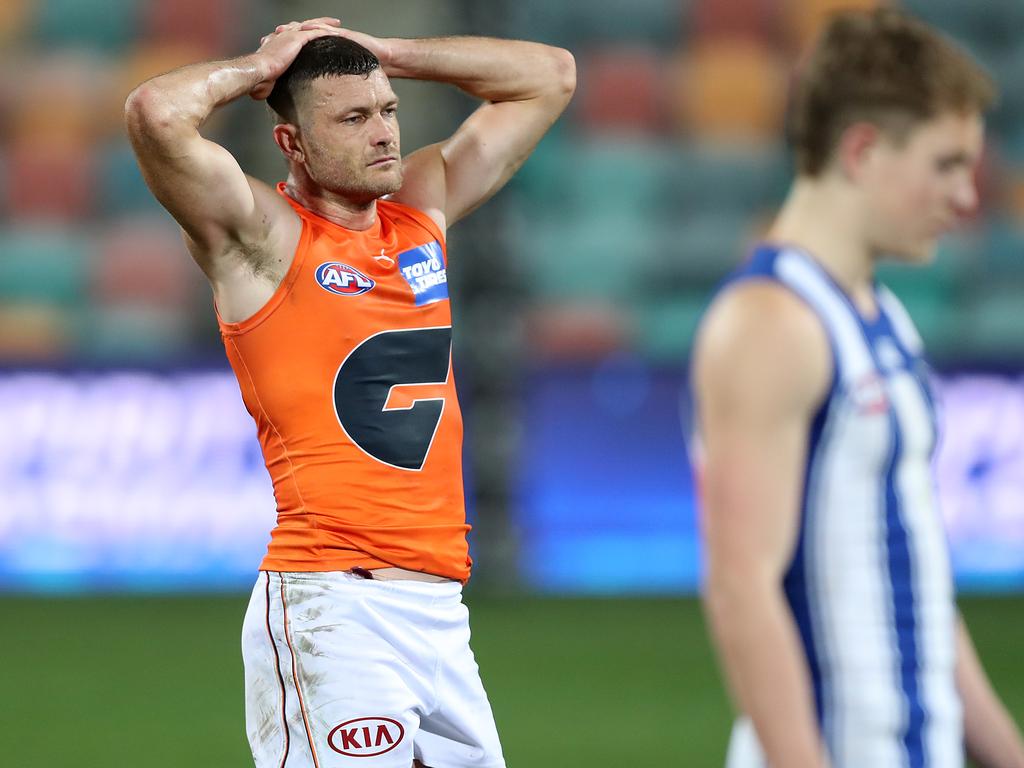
[348,129]
[922,187]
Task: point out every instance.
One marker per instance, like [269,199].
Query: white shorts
[346,671]
[744,747]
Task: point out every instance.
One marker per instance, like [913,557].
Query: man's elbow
[146,114]
[734,591]
[564,68]
[722,595]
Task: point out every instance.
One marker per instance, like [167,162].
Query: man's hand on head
[382,48]
[278,49]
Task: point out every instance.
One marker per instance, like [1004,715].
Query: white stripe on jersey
[852,590]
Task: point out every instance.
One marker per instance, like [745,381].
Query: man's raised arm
[196,180]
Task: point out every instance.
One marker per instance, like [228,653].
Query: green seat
[982,26]
[941,278]
[697,252]
[715,179]
[123,189]
[599,177]
[542,184]
[101,24]
[49,267]
[132,334]
[598,21]
[1004,250]
[994,324]
[666,328]
[585,258]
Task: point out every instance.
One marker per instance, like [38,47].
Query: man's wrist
[253,64]
[398,56]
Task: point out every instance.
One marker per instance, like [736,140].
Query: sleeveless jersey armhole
[279,295]
[836,378]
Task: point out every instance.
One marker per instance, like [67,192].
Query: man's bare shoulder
[759,336]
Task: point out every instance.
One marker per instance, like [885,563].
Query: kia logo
[366,736]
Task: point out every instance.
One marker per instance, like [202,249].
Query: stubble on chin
[388,185]
[365,188]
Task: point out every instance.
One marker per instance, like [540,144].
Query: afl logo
[366,736]
[343,279]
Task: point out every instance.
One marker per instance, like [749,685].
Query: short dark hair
[884,67]
[326,56]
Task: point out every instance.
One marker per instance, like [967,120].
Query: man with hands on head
[332,300]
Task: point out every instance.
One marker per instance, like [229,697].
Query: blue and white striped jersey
[870,584]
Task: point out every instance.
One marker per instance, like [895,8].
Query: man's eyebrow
[956,158]
[366,110]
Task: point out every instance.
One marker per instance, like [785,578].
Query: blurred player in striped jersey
[829,587]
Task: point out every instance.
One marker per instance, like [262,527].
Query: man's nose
[383,132]
[965,195]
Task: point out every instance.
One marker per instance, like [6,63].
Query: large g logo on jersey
[397,435]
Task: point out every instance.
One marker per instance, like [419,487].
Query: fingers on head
[320,27]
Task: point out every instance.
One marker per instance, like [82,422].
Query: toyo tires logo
[366,736]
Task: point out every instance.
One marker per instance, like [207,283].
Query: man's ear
[289,141]
[857,144]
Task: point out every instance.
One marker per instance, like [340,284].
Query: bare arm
[196,180]
[526,86]
[762,366]
[993,740]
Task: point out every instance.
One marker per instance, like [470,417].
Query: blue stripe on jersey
[798,588]
[796,585]
[901,581]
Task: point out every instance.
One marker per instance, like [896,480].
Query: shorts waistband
[397,574]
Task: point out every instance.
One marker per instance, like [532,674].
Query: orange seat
[731,91]
[33,333]
[805,18]
[14,15]
[1015,196]
[150,60]
[59,100]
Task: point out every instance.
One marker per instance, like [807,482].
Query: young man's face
[349,133]
[922,187]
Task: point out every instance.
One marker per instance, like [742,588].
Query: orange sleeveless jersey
[347,372]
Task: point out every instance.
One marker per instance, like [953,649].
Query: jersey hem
[346,564]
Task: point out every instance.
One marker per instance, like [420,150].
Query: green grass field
[157,682]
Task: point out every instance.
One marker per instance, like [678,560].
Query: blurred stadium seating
[609,241]
[667,165]
[82,279]
[671,160]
